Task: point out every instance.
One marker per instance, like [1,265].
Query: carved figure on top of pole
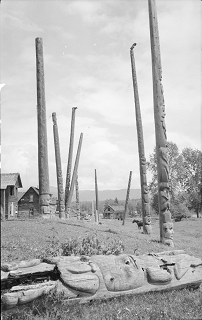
[44,191]
[127,198]
[165,221]
[69,164]
[61,195]
[146,217]
[74,175]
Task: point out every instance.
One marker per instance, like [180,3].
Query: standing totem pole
[69,164]
[146,217]
[127,197]
[61,196]
[93,214]
[165,221]
[78,213]
[96,199]
[73,181]
[44,192]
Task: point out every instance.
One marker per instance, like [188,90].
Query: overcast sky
[87,65]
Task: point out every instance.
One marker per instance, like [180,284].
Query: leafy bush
[179,210]
[89,245]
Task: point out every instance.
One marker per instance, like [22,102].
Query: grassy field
[33,238]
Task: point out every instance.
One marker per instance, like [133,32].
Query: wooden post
[69,164]
[77,199]
[127,198]
[146,217]
[93,214]
[44,192]
[165,221]
[3,216]
[96,199]
[61,196]
[74,175]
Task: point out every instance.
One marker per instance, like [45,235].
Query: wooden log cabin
[113,212]
[28,204]
[10,183]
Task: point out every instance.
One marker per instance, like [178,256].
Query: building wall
[11,202]
[28,205]
[118,215]
[108,213]
[2,204]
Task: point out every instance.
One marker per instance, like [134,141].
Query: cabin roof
[115,208]
[10,179]
[23,193]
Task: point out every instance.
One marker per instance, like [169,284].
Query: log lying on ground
[23,294]
[101,277]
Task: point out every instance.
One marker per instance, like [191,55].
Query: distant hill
[89,195]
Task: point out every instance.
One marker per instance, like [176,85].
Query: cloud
[11,21]
[2,85]
[97,79]
[89,10]
[25,162]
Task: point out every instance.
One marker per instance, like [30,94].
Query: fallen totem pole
[83,278]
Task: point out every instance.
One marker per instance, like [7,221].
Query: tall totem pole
[78,212]
[74,175]
[96,199]
[69,164]
[146,217]
[127,197]
[44,192]
[61,195]
[165,221]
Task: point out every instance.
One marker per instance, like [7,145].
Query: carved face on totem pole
[45,199]
[168,231]
[147,220]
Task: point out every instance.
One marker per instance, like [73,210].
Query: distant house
[10,182]
[28,203]
[113,212]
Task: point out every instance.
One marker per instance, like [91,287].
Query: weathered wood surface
[17,275]
[146,216]
[165,220]
[61,194]
[96,199]
[101,277]
[74,174]
[24,294]
[127,197]
[44,192]
[70,155]
[78,212]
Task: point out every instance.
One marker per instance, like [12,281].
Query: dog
[139,223]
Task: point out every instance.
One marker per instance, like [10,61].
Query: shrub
[179,210]
[89,245]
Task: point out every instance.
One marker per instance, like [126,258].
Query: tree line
[185,180]
[134,206]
